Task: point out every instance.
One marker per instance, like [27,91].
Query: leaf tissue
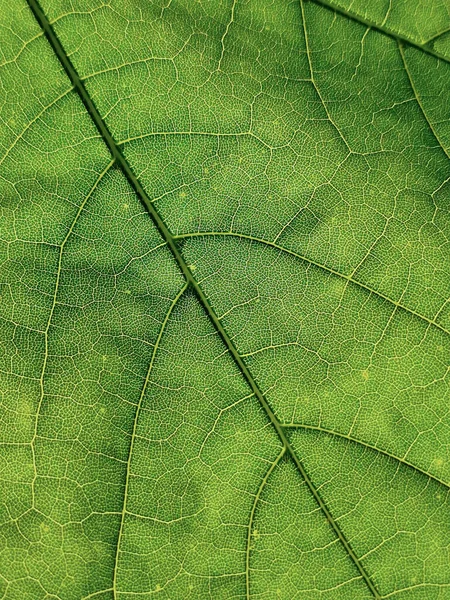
[225,299]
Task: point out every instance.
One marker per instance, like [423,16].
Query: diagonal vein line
[436,36]
[190,279]
[418,98]
[252,518]
[33,120]
[133,434]
[50,319]
[311,71]
[380,28]
[321,266]
[364,444]
[94,594]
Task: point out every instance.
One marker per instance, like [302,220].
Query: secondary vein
[433,322]
[50,320]
[133,434]
[328,4]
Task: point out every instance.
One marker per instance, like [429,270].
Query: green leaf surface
[225,284]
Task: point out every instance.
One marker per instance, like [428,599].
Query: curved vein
[251,519]
[36,118]
[366,445]
[418,99]
[328,4]
[225,33]
[24,46]
[50,319]
[415,587]
[348,278]
[133,434]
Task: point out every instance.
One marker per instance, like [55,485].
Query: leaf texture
[225,289]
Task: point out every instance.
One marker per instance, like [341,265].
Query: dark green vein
[380,28]
[190,279]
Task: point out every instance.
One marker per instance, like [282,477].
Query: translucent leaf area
[225,285]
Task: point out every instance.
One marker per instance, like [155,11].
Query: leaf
[225,299]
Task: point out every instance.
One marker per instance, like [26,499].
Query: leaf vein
[134,431]
[49,323]
[328,4]
[418,99]
[252,517]
[190,279]
[350,438]
[305,259]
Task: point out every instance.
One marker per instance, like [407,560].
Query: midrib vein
[190,279]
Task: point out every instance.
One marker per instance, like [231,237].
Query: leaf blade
[262,146]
